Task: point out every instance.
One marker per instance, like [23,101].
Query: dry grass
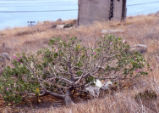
[140,29]
[120,102]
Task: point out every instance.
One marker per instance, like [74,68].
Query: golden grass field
[139,29]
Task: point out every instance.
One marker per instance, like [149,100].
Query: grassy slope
[140,29]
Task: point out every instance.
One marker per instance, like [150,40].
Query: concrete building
[90,11]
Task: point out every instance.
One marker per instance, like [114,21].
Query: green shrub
[65,65]
[146,95]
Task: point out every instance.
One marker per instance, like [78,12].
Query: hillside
[135,30]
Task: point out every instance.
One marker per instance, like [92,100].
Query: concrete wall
[98,10]
[119,9]
[93,10]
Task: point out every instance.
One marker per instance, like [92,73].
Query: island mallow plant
[67,65]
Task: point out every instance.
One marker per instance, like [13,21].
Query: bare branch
[55,94]
[86,75]
[61,78]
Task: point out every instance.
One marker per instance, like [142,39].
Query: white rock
[94,91]
[107,85]
[4,56]
[60,26]
[141,48]
[98,83]
[105,31]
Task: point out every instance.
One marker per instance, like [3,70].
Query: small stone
[93,91]
[141,48]
[60,26]
[98,83]
[107,85]
[4,56]
[105,31]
